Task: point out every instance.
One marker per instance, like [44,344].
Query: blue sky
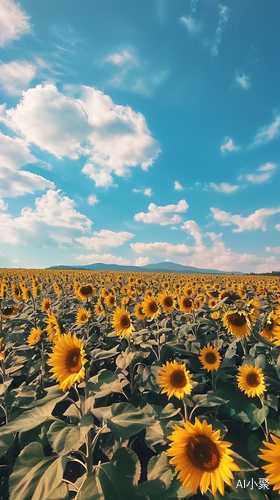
[139,131]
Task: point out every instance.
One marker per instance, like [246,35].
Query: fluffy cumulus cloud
[162,215]
[106,258]
[263,173]
[224,187]
[228,145]
[14,153]
[241,80]
[214,256]
[114,138]
[104,238]
[147,191]
[92,199]
[142,261]
[15,76]
[267,133]
[3,206]
[275,250]
[194,230]
[13,22]
[254,221]
[54,216]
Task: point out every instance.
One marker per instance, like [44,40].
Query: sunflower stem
[266,431]
[185,407]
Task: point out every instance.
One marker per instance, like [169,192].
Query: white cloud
[13,22]
[54,217]
[14,153]
[229,146]
[193,228]
[254,221]
[142,261]
[267,171]
[92,199]
[267,167]
[146,192]
[105,258]
[160,214]
[216,256]
[242,80]
[267,133]
[113,137]
[223,18]
[190,23]
[178,186]
[15,76]
[104,238]
[275,250]
[120,58]
[224,187]
[3,206]
[277,226]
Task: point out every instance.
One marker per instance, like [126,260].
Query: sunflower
[203,461]
[110,300]
[67,361]
[139,311]
[212,303]
[82,316]
[237,322]
[175,380]
[16,292]
[251,381]
[9,311]
[215,315]
[52,328]
[272,456]
[121,322]
[2,355]
[85,291]
[34,336]
[167,301]
[151,307]
[185,304]
[271,330]
[210,358]
[46,305]
[125,301]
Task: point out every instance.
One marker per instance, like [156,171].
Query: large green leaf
[256,415]
[59,493]
[64,437]
[128,420]
[159,468]
[107,483]
[128,462]
[208,399]
[150,490]
[35,476]
[5,443]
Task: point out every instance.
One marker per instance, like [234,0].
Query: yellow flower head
[2,355]
[139,311]
[121,322]
[34,336]
[202,460]
[210,358]
[82,316]
[185,304]
[46,305]
[272,456]
[175,380]
[167,301]
[9,311]
[67,361]
[251,381]
[237,322]
[85,291]
[151,308]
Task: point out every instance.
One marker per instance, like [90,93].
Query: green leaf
[63,437]
[107,483]
[61,492]
[159,468]
[127,420]
[5,385]
[169,411]
[256,415]
[5,443]
[128,462]
[35,476]
[150,490]
[102,354]
[243,463]
[209,399]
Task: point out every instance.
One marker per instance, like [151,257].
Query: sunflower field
[139,386]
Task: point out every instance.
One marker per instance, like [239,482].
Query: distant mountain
[162,267]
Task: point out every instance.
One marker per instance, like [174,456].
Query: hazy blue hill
[161,267]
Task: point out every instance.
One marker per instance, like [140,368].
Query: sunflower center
[203,453]
[210,358]
[178,379]
[74,362]
[86,290]
[187,303]
[237,319]
[269,325]
[168,302]
[83,317]
[125,322]
[253,380]
[153,307]
[8,310]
